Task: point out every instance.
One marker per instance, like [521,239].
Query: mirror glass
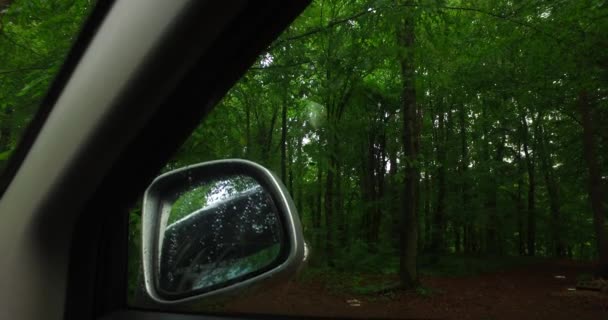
[215,233]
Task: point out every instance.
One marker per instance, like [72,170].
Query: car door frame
[93,276]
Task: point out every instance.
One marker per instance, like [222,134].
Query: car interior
[139,78]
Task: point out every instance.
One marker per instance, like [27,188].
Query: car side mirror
[215,228]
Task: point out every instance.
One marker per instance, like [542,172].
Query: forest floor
[537,291]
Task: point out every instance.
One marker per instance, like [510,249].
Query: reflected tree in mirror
[216,233]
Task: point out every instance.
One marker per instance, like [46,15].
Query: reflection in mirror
[215,233]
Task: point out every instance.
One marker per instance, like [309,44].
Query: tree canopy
[411,127]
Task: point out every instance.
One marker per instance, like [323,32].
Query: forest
[404,128]
[408,132]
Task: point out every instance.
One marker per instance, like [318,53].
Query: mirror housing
[262,198]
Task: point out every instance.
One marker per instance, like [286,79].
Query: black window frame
[97,279]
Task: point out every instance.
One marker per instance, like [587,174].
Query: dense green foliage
[497,164]
[35,37]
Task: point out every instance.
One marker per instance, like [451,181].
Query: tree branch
[571,117]
[281,66]
[504,17]
[23,69]
[14,42]
[357,15]
[313,31]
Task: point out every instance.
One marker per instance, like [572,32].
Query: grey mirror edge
[150,224]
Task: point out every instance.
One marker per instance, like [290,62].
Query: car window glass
[35,37]
[448,159]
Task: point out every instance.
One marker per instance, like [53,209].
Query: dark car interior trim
[98,278]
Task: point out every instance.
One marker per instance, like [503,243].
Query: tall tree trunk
[368,191]
[329,199]
[339,207]
[428,192]
[464,166]
[457,238]
[552,191]
[290,166]
[596,192]
[298,172]
[531,239]
[394,204]
[493,243]
[346,231]
[438,244]
[519,205]
[317,212]
[284,142]
[329,212]
[409,221]
[267,146]
[380,186]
